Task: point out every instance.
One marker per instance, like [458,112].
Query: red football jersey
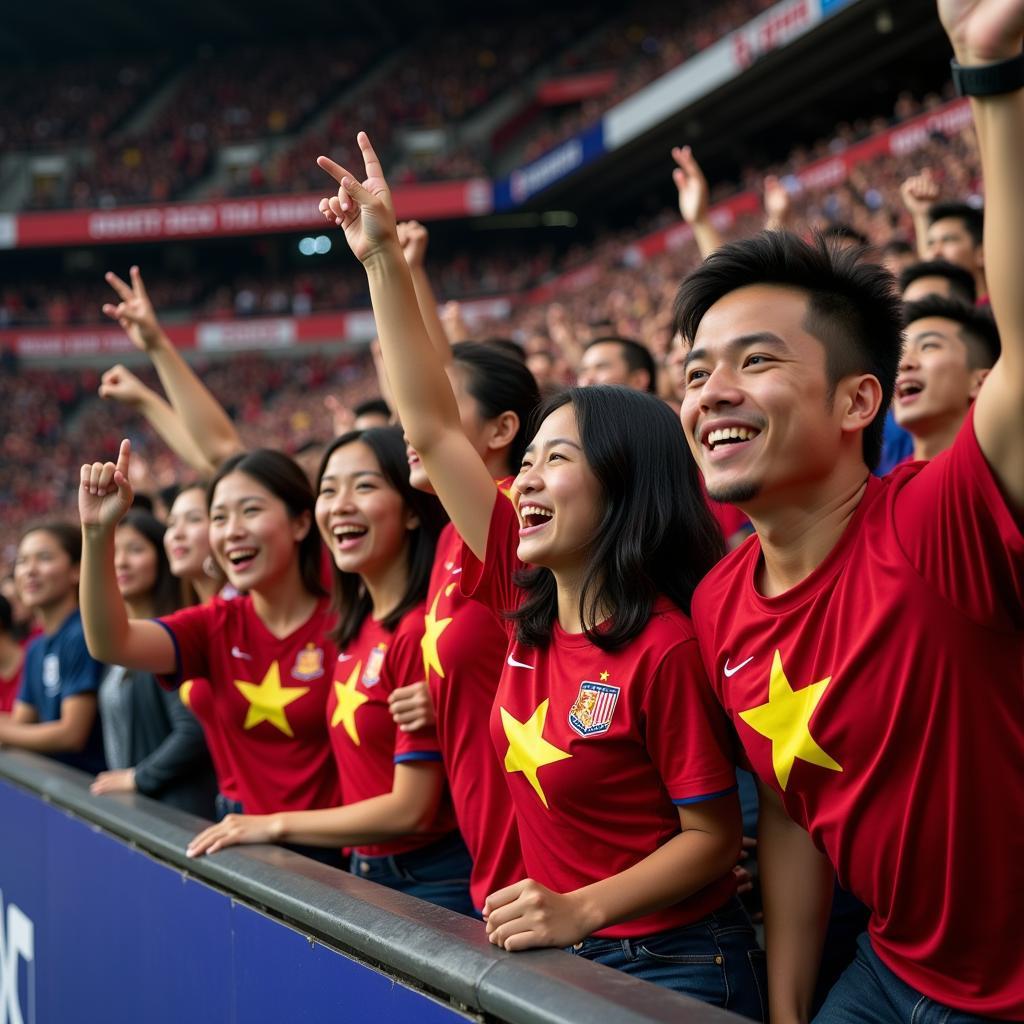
[599,748]
[197,695]
[883,698]
[367,744]
[464,646]
[269,696]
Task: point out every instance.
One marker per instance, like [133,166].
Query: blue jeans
[869,993]
[716,960]
[437,873]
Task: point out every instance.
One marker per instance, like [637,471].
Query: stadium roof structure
[61,29]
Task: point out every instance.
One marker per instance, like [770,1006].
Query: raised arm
[413,237]
[121,385]
[693,200]
[204,417]
[104,496]
[778,207]
[984,32]
[918,193]
[421,390]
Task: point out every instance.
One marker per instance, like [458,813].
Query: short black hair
[960,281]
[6,617]
[635,353]
[352,601]
[656,535]
[372,406]
[978,330]
[499,383]
[286,481]
[852,306]
[973,219]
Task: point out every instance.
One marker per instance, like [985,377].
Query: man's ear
[858,399]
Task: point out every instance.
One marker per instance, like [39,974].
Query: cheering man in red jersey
[868,642]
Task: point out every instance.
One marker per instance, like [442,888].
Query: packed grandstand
[194,284]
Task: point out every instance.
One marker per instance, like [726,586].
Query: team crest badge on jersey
[592,712]
[371,676]
[309,664]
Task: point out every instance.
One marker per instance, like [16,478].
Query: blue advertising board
[565,159]
[93,929]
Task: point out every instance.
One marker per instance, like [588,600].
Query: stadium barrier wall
[103,918]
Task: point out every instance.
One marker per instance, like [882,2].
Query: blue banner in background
[565,159]
[92,929]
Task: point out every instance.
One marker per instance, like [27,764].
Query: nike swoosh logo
[518,664]
[455,572]
[732,671]
[236,653]
[345,657]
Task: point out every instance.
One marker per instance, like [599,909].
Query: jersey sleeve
[189,630]
[686,730]
[80,672]
[961,535]
[402,667]
[491,582]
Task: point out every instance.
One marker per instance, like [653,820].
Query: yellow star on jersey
[528,751]
[433,627]
[350,700]
[604,677]
[785,720]
[268,700]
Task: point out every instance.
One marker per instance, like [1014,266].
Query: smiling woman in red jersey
[381,535]
[614,753]
[267,655]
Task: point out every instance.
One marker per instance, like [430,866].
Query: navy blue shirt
[59,666]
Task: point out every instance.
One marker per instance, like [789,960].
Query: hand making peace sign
[365,211]
[134,313]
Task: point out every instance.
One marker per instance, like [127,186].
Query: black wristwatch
[989,79]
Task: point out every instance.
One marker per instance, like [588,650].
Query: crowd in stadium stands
[869,202]
[538,585]
[78,102]
[638,47]
[261,93]
[221,98]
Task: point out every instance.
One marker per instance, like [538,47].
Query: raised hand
[104,493]
[982,31]
[413,237]
[343,419]
[919,192]
[777,205]
[691,185]
[134,313]
[365,211]
[121,385]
